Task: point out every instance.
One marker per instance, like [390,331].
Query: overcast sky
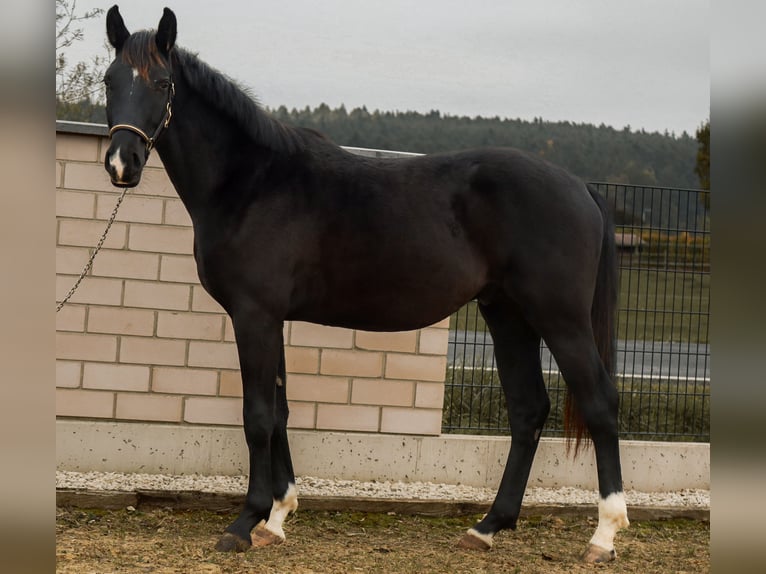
[642,63]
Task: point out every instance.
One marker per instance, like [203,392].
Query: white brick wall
[142,341]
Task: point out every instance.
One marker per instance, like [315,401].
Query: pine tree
[702,169]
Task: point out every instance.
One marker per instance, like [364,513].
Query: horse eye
[162,84]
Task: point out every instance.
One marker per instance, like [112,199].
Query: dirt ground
[165,541]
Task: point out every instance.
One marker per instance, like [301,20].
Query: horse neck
[200,149]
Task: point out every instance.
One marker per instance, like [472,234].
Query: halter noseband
[150,141]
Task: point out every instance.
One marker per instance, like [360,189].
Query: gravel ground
[311,486]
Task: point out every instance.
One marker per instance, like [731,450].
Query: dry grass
[165,541]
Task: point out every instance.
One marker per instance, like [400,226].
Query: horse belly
[388,290]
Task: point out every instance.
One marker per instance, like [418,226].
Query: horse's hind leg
[282,474]
[517,352]
[596,398]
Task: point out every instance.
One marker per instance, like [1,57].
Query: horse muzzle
[124,163]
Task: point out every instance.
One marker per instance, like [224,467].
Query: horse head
[139,94]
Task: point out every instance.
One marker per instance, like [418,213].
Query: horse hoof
[229,542]
[597,555]
[261,537]
[471,542]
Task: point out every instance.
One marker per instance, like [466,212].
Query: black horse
[289,226]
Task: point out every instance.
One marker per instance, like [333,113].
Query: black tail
[604,310]
[603,319]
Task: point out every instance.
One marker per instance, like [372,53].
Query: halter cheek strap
[150,140]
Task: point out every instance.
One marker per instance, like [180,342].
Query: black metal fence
[663,353]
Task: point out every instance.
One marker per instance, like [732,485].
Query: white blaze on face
[280,509]
[612,516]
[116,162]
[133,82]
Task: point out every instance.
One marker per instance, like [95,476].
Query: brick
[203,302]
[189,326]
[103,145]
[75,204]
[86,347]
[134,209]
[115,377]
[443,324]
[161,239]
[76,147]
[79,403]
[71,260]
[121,321]
[71,318]
[302,360]
[228,330]
[68,374]
[231,384]
[145,407]
[176,214]
[155,295]
[156,182]
[311,335]
[90,176]
[59,174]
[151,351]
[351,363]
[153,161]
[411,421]
[92,290]
[433,341]
[429,395]
[215,411]
[382,392]
[302,415]
[179,269]
[111,263]
[416,367]
[404,341]
[348,417]
[215,355]
[184,381]
[317,388]
[87,233]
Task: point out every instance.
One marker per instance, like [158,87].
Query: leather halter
[150,140]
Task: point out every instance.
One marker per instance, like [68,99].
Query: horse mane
[218,90]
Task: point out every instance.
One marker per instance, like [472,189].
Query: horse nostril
[136,159]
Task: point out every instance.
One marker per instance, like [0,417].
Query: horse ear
[115,28]
[166,32]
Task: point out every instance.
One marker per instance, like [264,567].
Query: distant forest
[595,153]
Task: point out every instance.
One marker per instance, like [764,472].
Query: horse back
[359,242]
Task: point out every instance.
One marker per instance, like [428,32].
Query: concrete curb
[230,503]
[478,461]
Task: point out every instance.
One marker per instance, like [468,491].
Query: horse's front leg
[259,344]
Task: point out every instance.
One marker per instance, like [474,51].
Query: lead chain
[93,255]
